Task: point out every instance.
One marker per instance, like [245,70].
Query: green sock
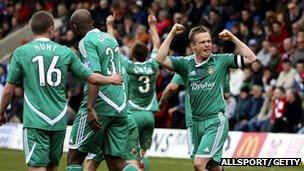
[74,168]
[146,163]
[130,167]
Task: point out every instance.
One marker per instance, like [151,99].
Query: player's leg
[36,148]
[93,161]
[56,148]
[197,134]
[115,141]
[212,142]
[145,122]
[82,141]
[132,152]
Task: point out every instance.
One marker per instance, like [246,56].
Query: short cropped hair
[140,52]
[196,30]
[41,21]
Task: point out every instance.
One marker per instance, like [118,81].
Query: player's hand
[226,35]
[3,119]
[110,19]
[152,19]
[116,79]
[177,29]
[93,121]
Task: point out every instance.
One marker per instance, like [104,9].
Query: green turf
[11,160]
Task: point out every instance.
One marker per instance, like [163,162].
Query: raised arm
[241,47]
[162,57]
[109,23]
[153,31]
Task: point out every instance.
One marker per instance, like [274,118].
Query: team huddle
[115,121]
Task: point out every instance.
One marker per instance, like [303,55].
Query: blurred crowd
[266,96]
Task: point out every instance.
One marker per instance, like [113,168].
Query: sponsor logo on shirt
[202,86]
[87,64]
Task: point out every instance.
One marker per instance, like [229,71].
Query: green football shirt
[205,82]
[42,67]
[100,52]
[142,88]
[177,79]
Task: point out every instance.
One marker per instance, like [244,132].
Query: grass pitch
[12,160]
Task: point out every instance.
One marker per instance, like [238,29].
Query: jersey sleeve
[233,61]
[77,68]
[89,50]
[226,85]
[177,79]
[124,61]
[15,70]
[179,64]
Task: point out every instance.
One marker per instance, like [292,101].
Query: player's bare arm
[241,47]
[109,23]
[6,98]
[168,92]
[162,57]
[153,31]
[99,79]
[92,117]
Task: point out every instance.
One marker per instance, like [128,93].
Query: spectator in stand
[275,61]
[141,34]
[268,78]
[264,54]
[286,76]
[298,82]
[198,8]
[288,49]
[256,102]
[163,23]
[258,33]
[242,109]
[294,12]
[257,70]
[278,36]
[261,122]
[100,13]
[295,29]
[299,53]
[293,112]
[279,107]
[213,21]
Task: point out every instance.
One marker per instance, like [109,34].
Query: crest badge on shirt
[210,70]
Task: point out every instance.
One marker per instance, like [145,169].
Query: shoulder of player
[22,49]
[221,55]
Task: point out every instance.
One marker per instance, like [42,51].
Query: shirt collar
[43,39]
[200,64]
[94,30]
